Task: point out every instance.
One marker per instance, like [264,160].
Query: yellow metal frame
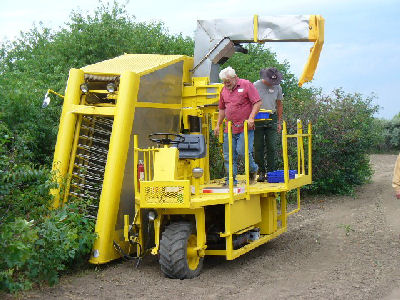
[113,177]
[199,99]
[66,132]
[275,224]
[315,35]
[161,189]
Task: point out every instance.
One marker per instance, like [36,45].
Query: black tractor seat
[193,147]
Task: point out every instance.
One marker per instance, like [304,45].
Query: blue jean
[238,149]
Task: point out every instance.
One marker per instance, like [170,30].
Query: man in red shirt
[239,101]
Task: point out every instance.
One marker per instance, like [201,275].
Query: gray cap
[271,75]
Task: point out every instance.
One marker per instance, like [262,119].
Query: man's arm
[221,117]
[279,111]
[254,111]
[254,98]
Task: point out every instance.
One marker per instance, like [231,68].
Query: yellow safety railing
[301,170]
[148,162]
[230,174]
[246,160]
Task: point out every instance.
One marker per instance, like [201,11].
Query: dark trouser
[265,142]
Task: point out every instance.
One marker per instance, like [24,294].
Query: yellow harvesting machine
[134,140]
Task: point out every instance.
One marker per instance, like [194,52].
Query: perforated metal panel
[165,194]
[138,63]
[168,194]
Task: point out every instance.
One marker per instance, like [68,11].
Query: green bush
[35,252]
[17,240]
[65,238]
[24,188]
[344,133]
[391,134]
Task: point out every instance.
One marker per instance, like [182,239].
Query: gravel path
[336,248]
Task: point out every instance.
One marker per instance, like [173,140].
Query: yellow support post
[73,153]
[283,210]
[114,170]
[230,175]
[135,163]
[310,150]
[298,148]
[157,225]
[285,155]
[228,234]
[301,146]
[201,230]
[126,228]
[66,131]
[255,24]
[246,159]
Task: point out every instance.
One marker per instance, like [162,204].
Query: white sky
[361,51]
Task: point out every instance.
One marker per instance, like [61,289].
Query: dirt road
[335,248]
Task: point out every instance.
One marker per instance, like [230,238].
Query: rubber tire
[173,254]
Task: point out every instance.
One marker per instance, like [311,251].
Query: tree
[41,58]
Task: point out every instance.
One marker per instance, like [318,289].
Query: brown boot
[261,177]
[252,177]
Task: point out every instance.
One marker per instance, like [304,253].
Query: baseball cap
[271,75]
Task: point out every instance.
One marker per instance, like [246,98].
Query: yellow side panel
[165,164]
[245,213]
[269,215]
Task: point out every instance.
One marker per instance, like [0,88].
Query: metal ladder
[89,158]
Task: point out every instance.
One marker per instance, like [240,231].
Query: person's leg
[259,148]
[235,138]
[271,139]
[226,157]
[241,151]
[253,168]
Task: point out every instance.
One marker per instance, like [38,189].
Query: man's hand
[398,194]
[250,123]
[216,130]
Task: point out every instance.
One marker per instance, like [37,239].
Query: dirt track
[335,248]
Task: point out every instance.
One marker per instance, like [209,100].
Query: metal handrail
[148,160]
[300,156]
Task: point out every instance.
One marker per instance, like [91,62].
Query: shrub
[343,135]
[391,134]
[17,240]
[36,252]
[24,188]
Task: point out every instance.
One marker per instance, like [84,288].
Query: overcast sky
[362,41]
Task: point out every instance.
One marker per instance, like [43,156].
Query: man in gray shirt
[266,132]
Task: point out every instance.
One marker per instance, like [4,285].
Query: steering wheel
[165,140]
